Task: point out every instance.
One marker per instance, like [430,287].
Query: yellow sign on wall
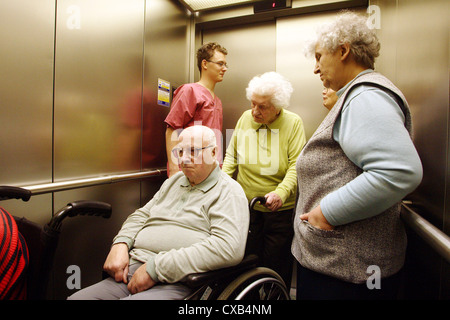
[163,93]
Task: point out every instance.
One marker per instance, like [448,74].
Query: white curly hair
[351,28]
[271,84]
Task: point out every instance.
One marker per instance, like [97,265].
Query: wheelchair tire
[256,284]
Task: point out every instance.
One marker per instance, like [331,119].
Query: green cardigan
[265,156]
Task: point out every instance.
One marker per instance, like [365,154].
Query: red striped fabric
[13,259]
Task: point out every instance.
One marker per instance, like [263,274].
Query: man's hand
[316,218]
[116,264]
[141,280]
[273,201]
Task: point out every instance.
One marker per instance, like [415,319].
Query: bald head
[201,135]
[196,150]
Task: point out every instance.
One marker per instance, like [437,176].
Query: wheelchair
[245,281]
[43,241]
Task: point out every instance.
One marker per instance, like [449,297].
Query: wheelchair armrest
[196,280]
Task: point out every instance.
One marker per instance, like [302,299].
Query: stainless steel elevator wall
[414,39]
[251,51]
[415,55]
[98,87]
[78,96]
[149,42]
[26,96]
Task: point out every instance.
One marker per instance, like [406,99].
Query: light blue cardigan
[390,163]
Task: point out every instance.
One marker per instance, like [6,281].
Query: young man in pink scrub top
[196,103]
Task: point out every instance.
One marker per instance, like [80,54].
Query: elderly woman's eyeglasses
[192,152]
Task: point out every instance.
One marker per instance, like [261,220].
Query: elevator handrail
[432,235]
[87,182]
[437,239]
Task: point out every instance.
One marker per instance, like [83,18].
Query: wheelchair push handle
[90,208]
[81,207]
[10,192]
[255,200]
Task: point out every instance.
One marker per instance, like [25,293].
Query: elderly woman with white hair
[352,174]
[264,147]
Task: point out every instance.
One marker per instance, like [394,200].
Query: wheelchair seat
[245,281]
[196,280]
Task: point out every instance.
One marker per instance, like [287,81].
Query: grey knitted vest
[347,251]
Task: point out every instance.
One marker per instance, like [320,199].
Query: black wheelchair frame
[43,241]
[245,281]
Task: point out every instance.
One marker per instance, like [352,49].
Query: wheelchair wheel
[256,284]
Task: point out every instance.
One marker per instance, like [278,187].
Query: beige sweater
[186,229]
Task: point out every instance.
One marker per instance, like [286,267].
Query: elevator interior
[80,98]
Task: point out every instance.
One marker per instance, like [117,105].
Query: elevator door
[251,51]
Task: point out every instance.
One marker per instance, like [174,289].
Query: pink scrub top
[192,105]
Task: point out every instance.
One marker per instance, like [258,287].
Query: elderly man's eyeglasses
[221,64]
[192,152]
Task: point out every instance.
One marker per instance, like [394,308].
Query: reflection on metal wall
[422,74]
[137,43]
[98,84]
[26,90]
[26,93]
[251,51]
[415,55]
[71,107]
[166,58]
[292,36]
[97,121]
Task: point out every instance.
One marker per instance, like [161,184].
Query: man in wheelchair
[197,222]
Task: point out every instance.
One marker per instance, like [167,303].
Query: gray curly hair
[271,84]
[351,28]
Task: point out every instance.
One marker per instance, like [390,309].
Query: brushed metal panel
[415,55]
[422,74]
[166,57]
[26,98]
[98,87]
[105,72]
[26,91]
[292,36]
[414,34]
[251,51]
